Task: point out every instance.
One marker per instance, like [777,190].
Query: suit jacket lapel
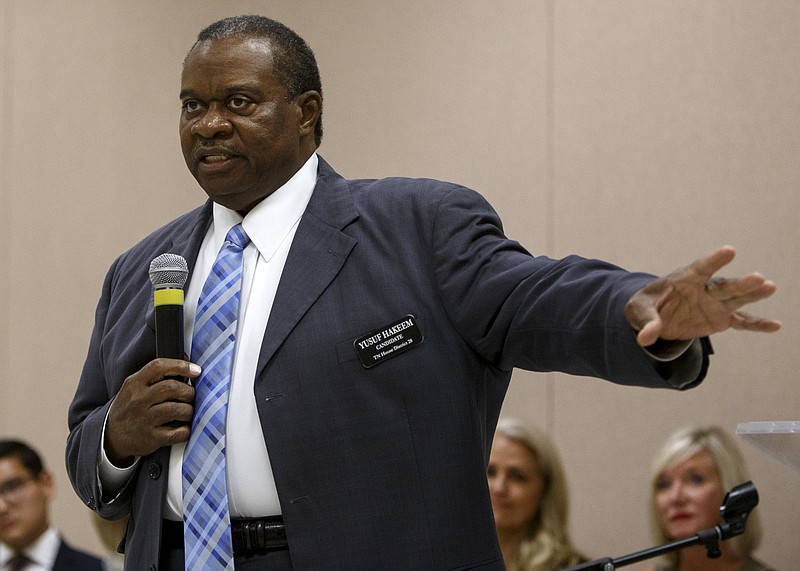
[185,240]
[316,256]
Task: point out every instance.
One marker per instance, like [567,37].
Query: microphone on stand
[168,274]
[735,509]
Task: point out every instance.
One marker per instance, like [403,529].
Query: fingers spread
[707,267]
[746,322]
[748,289]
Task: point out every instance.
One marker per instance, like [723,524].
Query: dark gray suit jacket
[70,559]
[380,467]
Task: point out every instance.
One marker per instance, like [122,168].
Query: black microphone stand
[736,506]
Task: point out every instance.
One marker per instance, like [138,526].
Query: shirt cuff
[111,479]
[663,351]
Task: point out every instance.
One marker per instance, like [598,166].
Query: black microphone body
[169,331]
[168,274]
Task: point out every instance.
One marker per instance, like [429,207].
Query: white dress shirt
[42,553]
[271,226]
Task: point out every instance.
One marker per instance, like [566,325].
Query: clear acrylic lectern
[781,439]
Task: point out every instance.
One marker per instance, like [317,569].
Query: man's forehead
[219,60]
[227,66]
[10,468]
[231,47]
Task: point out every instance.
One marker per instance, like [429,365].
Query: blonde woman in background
[529,499]
[691,474]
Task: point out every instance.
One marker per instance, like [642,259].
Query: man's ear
[48,483]
[309,108]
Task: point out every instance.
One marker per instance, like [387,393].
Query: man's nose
[212,123]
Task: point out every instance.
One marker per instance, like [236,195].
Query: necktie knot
[238,237]
[18,562]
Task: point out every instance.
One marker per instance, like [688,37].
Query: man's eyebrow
[244,88]
[232,90]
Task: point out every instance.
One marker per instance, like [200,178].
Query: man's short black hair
[293,61]
[26,455]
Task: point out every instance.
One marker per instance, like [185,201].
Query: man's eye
[238,102]
[12,486]
[190,105]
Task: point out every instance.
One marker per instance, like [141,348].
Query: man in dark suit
[27,541]
[379,323]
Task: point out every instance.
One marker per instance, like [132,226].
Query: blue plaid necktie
[207,526]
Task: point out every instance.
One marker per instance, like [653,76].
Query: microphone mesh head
[168,271]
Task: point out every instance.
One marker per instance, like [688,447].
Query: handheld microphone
[168,274]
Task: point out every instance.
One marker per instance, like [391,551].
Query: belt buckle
[259,535]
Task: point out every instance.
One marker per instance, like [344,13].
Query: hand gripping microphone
[168,274]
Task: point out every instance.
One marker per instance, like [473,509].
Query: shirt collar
[43,551]
[270,221]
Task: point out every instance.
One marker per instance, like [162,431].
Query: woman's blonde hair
[547,545]
[682,445]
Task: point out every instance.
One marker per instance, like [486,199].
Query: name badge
[388,341]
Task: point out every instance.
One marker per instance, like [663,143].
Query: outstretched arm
[691,302]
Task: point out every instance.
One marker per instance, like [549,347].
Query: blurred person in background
[530,502]
[691,474]
[27,540]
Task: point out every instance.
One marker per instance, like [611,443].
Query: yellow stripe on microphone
[167,297]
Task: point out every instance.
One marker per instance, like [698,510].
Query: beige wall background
[643,132]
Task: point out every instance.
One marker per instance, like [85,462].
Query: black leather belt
[248,535]
[258,534]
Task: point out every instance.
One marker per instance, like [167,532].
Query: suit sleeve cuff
[682,365]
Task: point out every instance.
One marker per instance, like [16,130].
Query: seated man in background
[27,541]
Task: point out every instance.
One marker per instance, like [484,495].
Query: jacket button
[154,470]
